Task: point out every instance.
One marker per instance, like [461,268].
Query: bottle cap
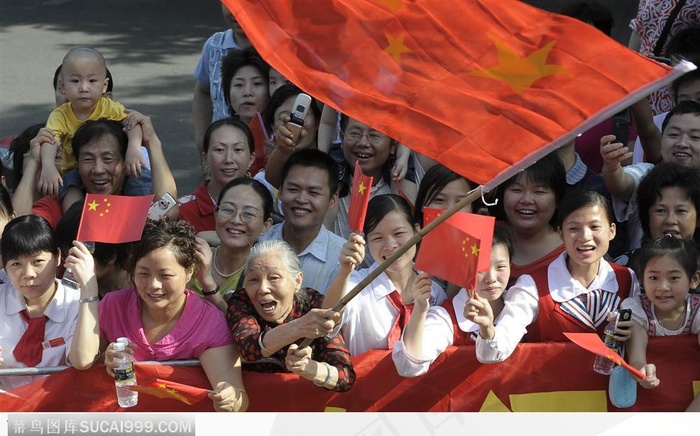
[123,340]
[119,346]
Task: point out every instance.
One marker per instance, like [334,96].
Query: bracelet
[263,350]
[89,299]
[328,376]
[210,293]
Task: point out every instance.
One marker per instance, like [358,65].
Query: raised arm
[23,197]
[202,114]
[161,177]
[616,180]
[85,346]
[351,255]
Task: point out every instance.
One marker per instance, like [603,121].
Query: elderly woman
[242,215]
[273,313]
[42,322]
[164,320]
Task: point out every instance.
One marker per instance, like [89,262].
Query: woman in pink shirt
[164,320]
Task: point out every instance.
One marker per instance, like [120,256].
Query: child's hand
[134,161]
[401,163]
[422,285]
[650,381]
[478,310]
[353,252]
[50,180]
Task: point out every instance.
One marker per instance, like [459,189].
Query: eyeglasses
[243,215]
[373,137]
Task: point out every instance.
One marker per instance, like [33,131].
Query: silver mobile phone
[300,109]
[161,207]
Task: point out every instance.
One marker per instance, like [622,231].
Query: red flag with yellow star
[483,87]
[113,218]
[173,390]
[359,198]
[458,248]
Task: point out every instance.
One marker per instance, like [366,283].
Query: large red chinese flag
[359,198]
[113,218]
[477,85]
[457,248]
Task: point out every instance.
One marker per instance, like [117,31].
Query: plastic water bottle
[69,279]
[124,375]
[603,365]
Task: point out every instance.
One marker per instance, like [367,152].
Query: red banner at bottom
[545,377]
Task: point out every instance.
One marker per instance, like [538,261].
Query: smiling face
[101,166]
[228,155]
[680,141]
[673,213]
[83,81]
[306,197]
[33,276]
[271,287]
[249,93]
[372,149]
[392,232]
[240,218]
[666,284]
[528,206]
[492,283]
[160,280]
[587,233]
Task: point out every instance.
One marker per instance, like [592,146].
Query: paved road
[151,47]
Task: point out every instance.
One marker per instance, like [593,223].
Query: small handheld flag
[359,198]
[113,218]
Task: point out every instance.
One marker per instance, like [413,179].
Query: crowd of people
[256,259]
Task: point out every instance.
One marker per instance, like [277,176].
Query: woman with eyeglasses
[228,152]
[375,152]
[242,215]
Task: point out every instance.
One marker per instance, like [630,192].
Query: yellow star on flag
[361,188]
[393,4]
[396,47]
[93,206]
[520,72]
[475,250]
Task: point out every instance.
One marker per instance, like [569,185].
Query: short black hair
[234,61]
[6,207]
[690,77]
[179,235]
[382,205]
[548,171]
[501,236]
[259,188]
[97,129]
[233,121]
[666,175]
[313,158]
[434,181]
[683,251]
[27,235]
[582,198]
[682,108]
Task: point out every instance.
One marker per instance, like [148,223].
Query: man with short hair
[309,189]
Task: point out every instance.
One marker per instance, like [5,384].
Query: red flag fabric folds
[359,198]
[457,248]
[477,85]
[113,218]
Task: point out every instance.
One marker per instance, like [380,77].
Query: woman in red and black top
[273,312]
